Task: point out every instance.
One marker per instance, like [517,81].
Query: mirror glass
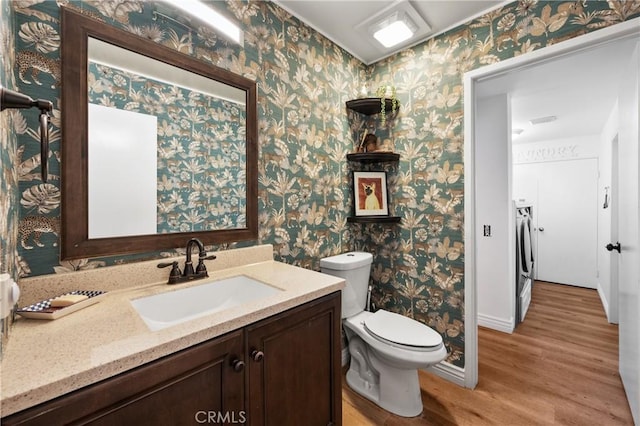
[159,147]
[174,139]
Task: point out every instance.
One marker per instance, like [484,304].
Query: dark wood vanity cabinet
[283,370]
[293,368]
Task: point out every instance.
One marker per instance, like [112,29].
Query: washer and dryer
[525,262]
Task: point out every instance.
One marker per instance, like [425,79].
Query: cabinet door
[294,366]
[184,388]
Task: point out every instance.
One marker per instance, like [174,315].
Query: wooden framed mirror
[189,171]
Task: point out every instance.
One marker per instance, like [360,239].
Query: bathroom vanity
[273,361]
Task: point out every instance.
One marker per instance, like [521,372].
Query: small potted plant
[384,92]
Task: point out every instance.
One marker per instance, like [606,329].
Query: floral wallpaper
[8,149]
[305,133]
[201,148]
[419,272]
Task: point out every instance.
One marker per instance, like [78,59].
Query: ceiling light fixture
[517,132]
[211,17]
[394,29]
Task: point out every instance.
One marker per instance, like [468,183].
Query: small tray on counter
[43,309]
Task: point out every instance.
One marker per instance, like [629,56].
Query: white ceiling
[346,23]
[580,89]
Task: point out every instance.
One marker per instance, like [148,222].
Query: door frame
[615,32]
[613,269]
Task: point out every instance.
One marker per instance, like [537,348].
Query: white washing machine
[525,262]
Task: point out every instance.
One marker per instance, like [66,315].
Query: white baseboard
[448,372]
[496,323]
[603,299]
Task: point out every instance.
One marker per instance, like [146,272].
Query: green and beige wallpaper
[305,133]
[8,149]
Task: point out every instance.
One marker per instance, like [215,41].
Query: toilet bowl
[386,348]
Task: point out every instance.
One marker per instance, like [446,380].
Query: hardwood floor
[560,367]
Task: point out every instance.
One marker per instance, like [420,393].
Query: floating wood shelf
[370,106]
[374,219]
[373,157]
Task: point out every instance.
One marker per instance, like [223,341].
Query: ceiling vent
[540,120]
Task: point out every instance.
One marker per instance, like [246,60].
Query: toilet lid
[401,330]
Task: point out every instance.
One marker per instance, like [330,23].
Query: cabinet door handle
[257,355]
[238,365]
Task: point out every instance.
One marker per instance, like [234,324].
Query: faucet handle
[203,256]
[175,271]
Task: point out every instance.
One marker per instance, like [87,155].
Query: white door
[566,219]
[628,218]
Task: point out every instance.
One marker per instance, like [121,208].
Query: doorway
[563,195]
[473,228]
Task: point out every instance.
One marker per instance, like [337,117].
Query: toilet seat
[403,332]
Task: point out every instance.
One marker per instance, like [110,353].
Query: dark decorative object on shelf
[370,143]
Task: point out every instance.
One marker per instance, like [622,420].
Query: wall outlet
[487,230]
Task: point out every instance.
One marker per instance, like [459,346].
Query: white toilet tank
[355,268]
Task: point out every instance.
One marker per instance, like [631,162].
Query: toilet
[386,349]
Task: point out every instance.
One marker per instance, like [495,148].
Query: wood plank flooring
[560,367]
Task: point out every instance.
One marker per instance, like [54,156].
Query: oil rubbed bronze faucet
[175,276]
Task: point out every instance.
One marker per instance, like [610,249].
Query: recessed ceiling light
[541,120]
[394,29]
[211,17]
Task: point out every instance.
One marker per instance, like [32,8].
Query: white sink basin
[174,307]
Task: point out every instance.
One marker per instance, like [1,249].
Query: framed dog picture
[370,194]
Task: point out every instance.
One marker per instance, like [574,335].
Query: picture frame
[370,194]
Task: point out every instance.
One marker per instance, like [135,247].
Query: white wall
[495,254]
[574,148]
[607,136]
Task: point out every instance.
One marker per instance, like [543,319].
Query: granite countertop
[46,359]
